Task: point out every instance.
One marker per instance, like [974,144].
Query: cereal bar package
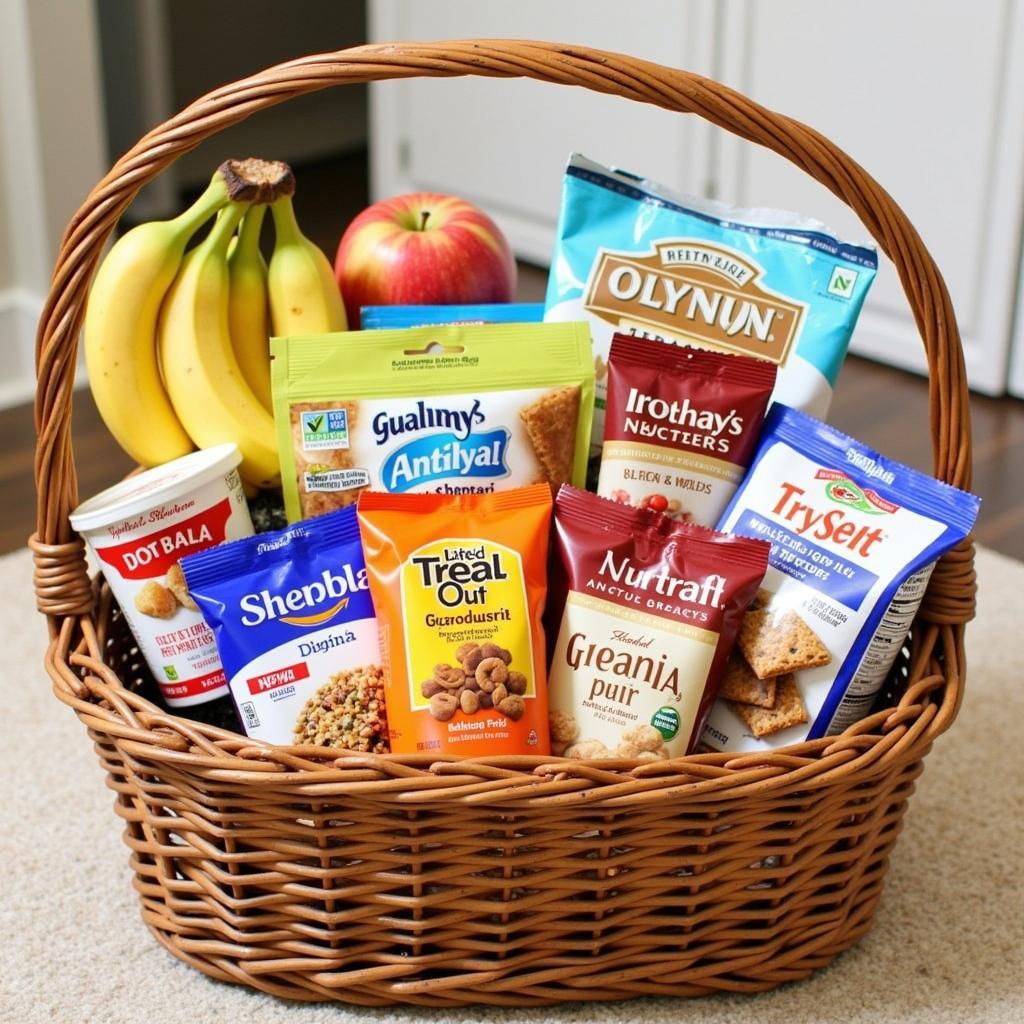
[467,409]
[645,613]
[296,632]
[376,318]
[854,537]
[681,426]
[459,584]
[634,257]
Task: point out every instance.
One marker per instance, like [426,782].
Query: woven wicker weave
[508,881]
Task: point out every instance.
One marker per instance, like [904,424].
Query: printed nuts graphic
[451,677]
[469,702]
[443,706]
[498,694]
[516,682]
[587,750]
[472,660]
[563,726]
[512,706]
[156,601]
[463,652]
[490,672]
[429,687]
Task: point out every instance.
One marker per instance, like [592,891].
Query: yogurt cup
[138,531]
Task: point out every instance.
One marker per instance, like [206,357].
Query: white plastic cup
[138,531]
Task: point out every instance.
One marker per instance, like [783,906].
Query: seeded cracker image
[457,409]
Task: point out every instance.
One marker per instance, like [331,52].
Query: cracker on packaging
[740,683]
[788,710]
[774,639]
[457,409]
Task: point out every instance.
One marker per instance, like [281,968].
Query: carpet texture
[947,946]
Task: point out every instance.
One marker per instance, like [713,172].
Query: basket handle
[62,584]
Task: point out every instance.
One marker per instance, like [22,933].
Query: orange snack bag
[458,583]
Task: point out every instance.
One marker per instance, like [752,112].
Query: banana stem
[249,232]
[285,224]
[213,199]
[224,227]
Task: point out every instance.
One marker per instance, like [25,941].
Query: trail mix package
[681,426]
[294,623]
[448,410]
[632,256]
[854,537]
[459,585]
[647,612]
[375,318]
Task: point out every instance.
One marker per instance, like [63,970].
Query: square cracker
[740,683]
[550,424]
[778,641]
[789,710]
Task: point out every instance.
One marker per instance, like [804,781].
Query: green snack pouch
[461,409]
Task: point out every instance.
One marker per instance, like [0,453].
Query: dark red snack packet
[681,426]
[644,613]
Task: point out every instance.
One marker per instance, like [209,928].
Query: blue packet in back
[295,627]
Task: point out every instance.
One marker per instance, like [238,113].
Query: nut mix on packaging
[634,257]
[644,613]
[466,409]
[681,426]
[459,586]
[294,623]
[854,537]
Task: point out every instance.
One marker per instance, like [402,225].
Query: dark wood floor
[885,408]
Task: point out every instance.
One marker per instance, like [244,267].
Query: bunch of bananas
[177,343]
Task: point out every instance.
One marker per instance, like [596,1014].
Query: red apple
[423,249]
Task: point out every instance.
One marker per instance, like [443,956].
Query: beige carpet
[948,945]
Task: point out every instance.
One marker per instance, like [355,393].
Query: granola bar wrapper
[634,256]
[459,583]
[681,426]
[854,538]
[295,627]
[646,611]
[456,409]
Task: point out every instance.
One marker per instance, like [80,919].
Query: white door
[504,144]
[928,95]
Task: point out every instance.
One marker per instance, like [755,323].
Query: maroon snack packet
[681,426]
[644,613]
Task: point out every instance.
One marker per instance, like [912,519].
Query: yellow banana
[304,296]
[248,313]
[120,332]
[203,377]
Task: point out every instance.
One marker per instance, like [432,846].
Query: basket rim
[68,598]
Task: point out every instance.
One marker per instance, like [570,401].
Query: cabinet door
[503,144]
[928,95]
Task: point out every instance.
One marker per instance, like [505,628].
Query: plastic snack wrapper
[854,537]
[294,624]
[643,614]
[459,584]
[633,256]
[681,427]
[447,410]
[375,318]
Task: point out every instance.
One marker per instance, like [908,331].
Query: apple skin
[421,249]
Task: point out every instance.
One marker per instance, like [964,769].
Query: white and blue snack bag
[854,538]
[296,631]
[631,256]
[376,318]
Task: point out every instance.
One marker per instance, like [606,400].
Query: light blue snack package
[373,318]
[854,538]
[633,257]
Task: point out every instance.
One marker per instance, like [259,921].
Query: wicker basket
[509,881]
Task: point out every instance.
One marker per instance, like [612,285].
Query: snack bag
[632,256]
[681,426]
[448,410]
[296,632]
[647,611]
[459,585]
[375,318]
[854,537]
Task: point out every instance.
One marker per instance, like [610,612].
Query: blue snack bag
[854,538]
[633,257]
[295,627]
[374,318]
